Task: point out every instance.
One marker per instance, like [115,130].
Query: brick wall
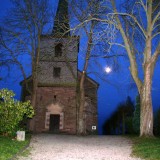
[67,62]
[63,103]
[46,76]
[69,49]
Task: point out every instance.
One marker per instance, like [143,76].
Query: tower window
[58,50]
[56,71]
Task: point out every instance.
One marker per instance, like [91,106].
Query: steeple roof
[61,21]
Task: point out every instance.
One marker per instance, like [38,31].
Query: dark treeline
[126,119]
[120,121]
[156,128]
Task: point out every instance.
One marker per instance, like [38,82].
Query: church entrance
[54,122]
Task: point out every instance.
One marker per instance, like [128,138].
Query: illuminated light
[108,69]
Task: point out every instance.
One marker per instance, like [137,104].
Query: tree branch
[155,19]
[131,55]
[156,54]
[135,20]
[107,56]
[158,33]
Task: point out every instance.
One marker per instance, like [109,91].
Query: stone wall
[67,62]
[46,76]
[69,48]
[91,116]
[91,108]
[56,100]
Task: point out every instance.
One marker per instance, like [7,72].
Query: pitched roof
[89,79]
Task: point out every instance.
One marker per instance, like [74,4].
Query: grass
[146,148]
[9,147]
[26,152]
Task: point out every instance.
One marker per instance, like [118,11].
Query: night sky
[115,89]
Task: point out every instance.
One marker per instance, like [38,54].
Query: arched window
[58,50]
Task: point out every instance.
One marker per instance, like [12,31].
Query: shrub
[12,112]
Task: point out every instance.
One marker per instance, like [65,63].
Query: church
[56,107]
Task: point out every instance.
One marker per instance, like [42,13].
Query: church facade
[56,107]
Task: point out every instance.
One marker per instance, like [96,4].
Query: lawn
[147,148]
[9,147]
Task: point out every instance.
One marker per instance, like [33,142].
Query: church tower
[58,57]
[56,93]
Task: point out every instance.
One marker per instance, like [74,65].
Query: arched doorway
[54,118]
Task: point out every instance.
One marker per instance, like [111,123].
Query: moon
[108,69]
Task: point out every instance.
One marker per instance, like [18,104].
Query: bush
[12,112]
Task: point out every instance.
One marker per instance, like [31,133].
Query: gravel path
[68,147]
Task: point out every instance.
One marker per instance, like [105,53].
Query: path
[67,147]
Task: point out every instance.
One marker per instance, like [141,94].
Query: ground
[69,147]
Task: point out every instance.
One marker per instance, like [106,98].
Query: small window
[56,71]
[58,50]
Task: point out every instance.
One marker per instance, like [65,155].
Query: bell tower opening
[58,50]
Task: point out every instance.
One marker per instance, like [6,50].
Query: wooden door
[54,122]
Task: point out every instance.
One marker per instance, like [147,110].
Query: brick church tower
[56,93]
[56,108]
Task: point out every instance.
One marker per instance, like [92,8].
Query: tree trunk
[81,115]
[35,81]
[81,123]
[146,119]
[33,103]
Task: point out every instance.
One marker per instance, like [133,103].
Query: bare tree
[21,34]
[141,20]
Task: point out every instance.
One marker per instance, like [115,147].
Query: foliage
[12,112]
[136,117]
[147,148]
[10,147]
